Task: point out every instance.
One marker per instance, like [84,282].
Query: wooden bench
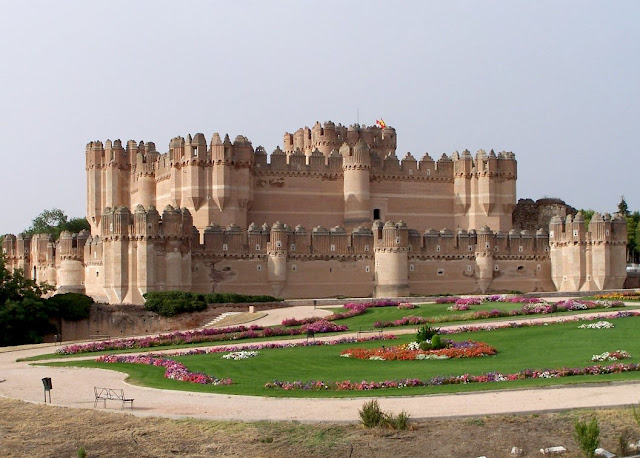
[109,394]
[99,337]
[369,330]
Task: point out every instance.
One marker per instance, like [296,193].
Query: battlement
[602,229]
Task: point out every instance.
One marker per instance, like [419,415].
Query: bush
[400,421]
[436,342]
[71,306]
[587,435]
[371,415]
[174,302]
[169,303]
[425,346]
[426,332]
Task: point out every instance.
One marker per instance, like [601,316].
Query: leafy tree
[55,221]
[623,208]
[588,214]
[25,317]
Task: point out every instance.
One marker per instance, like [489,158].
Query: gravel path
[73,387]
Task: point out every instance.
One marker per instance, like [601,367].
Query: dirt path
[73,387]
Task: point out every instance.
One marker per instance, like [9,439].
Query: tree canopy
[25,316]
[55,221]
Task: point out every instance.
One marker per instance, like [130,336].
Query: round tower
[356,167]
[71,271]
[277,258]
[484,259]
[391,248]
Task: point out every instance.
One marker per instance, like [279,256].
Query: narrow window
[376,213]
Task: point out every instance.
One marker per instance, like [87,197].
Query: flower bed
[173,369]
[625,296]
[406,306]
[352,309]
[528,308]
[611,356]
[242,354]
[598,325]
[348,385]
[468,349]
[194,337]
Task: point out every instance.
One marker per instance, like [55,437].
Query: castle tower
[70,255]
[115,232]
[194,191]
[146,225]
[484,189]
[356,166]
[484,259]
[391,248]
[617,252]
[144,177]
[277,258]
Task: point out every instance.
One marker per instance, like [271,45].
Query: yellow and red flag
[380,123]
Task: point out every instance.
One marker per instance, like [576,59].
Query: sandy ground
[73,387]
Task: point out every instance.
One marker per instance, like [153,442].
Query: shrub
[436,342]
[425,346]
[400,421]
[71,306]
[425,332]
[587,435]
[636,414]
[171,303]
[371,415]
[168,303]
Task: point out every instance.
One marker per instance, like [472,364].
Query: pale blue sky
[555,82]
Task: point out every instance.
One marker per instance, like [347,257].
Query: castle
[333,213]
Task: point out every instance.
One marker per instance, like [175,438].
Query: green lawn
[539,347]
[439,313]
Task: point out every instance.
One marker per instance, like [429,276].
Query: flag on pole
[380,123]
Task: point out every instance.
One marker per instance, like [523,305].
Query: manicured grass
[441,315]
[538,347]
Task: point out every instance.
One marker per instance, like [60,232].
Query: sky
[557,83]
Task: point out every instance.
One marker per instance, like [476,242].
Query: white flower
[238,355]
[598,325]
[413,346]
[376,358]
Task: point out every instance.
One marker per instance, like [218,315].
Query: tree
[55,221]
[588,214]
[623,208]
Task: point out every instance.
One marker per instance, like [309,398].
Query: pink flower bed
[191,337]
[348,385]
[406,306]
[173,369]
[352,309]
